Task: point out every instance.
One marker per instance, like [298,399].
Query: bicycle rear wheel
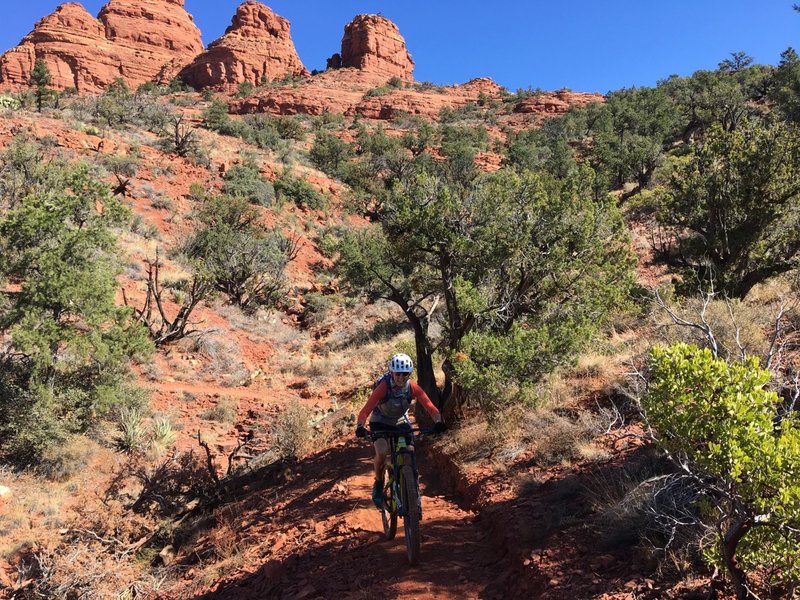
[411,518]
[389,506]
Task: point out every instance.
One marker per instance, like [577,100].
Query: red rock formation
[333,91]
[373,43]
[138,40]
[257,47]
[158,37]
[427,103]
[345,91]
[556,103]
[66,40]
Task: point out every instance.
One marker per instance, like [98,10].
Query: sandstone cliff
[256,48]
[556,103]
[138,40]
[353,92]
[373,43]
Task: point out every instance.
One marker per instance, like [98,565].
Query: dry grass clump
[293,433]
[476,439]
[225,537]
[30,506]
[223,411]
[81,570]
[60,463]
[263,323]
[559,438]
[642,503]
[376,322]
[224,355]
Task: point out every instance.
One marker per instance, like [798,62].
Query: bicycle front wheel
[411,518]
[389,506]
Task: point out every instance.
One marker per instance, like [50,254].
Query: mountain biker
[389,404]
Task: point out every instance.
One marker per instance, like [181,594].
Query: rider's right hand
[361,431]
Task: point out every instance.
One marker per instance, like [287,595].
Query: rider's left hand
[439,427]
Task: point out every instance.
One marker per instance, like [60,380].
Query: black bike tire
[389,508]
[411,518]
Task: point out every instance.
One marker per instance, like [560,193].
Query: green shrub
[294,189]
[378,91]
[329,152]
[246,182]
[728,432]
[64,255]
[215,117]
[262,131]
[9,102]
[290,128]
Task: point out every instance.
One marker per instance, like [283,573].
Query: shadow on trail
[569,533]
[338,549]
[322,538]
[368,566]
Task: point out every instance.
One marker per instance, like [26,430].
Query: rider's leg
[381,450]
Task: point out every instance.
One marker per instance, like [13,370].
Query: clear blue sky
[584,45]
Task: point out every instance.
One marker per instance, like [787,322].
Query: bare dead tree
[162,328]
[703,326]
[123,187]
[241,450]
[181,138]
[212,470]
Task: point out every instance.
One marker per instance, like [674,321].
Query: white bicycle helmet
[401,363]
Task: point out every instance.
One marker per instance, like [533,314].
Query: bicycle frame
[399,454]
[401,497]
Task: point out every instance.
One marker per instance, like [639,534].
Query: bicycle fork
[398,463]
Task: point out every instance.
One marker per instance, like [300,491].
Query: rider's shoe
[377,493]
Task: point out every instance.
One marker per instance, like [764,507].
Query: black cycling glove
[361,431]
[439,427]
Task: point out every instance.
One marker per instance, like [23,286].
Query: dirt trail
[321,537]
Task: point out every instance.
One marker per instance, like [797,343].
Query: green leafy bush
[9,102]
[719,422]
[290,128]
[237,254]
[242,181]
[302,193]
[329,152]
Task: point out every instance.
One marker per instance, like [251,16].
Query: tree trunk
[424,367]
[729,545]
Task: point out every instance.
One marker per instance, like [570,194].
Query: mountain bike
[401,491]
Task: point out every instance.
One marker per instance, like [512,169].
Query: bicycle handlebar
[393,434]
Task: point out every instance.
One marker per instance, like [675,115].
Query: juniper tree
[69,342]
[736,207]
[41,78]
[524,265]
